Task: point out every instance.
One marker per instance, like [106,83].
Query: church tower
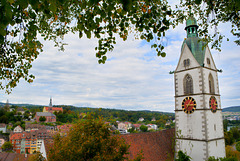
[198,113]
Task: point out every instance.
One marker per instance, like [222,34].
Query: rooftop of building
[156,146]
[44,114]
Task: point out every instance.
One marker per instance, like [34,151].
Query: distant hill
[231,109]
[83,109]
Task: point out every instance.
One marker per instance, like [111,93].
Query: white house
[3,128]
[18,129]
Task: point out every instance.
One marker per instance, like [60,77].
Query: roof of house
[19,127]
[14,156]
[20,109]
[35,126]
[44,114]
[137,125]
[53,108]
[156,146]
[16,136]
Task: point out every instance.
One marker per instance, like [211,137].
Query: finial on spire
[190,10]
[50,104]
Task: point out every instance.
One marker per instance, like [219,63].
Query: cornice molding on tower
[200,109]
[195,68]
[195,94]
[208,140]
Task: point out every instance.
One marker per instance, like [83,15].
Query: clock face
[213,104]
[189,105]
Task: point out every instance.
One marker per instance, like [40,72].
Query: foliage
[6,117]
[66,116]
[123,115]
[229,140]
[235,132]
[42,119]
[232,136]
[225,124]
[238,146]
[132,130]
[143,128]
[182,156]
[7,145]
[89,139]
[231,153]
[22,22]
[37,157]
[222,159]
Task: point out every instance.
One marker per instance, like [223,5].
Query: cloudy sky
[133,78]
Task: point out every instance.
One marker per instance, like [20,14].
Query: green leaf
[163,54]
[198,1]
[80,34]
[2,31]
[88,33]
[104,58]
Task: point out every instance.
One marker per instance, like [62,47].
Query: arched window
[188,84]
[211,84]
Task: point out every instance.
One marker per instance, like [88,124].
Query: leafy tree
[225,124]
[132,130]
[7,146]
[182,157]
[42,118]
[22,22]
[4,119]
[232,153]
[36,157]
[143,128]
[235,132]
[89,139]
[238,146]
[222,159]
[228,136]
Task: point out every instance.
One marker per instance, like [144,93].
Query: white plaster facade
[199,134]
[18,129]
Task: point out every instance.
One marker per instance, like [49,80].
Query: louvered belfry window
[186,62]
[188,84]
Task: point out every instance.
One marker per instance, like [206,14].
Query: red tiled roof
[34,126]
[13,157]
[156,146]
[16,136]
[136,125]
[54,108]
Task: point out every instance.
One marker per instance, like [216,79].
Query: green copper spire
[193,42]
[191,27]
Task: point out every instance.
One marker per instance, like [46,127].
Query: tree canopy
[7,146]
[23,22]
[89,139]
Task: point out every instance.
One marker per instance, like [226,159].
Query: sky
[133,77]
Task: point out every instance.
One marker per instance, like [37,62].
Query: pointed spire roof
[193,42]
[50,104]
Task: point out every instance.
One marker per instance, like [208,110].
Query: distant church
[198,113]
[52,109]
